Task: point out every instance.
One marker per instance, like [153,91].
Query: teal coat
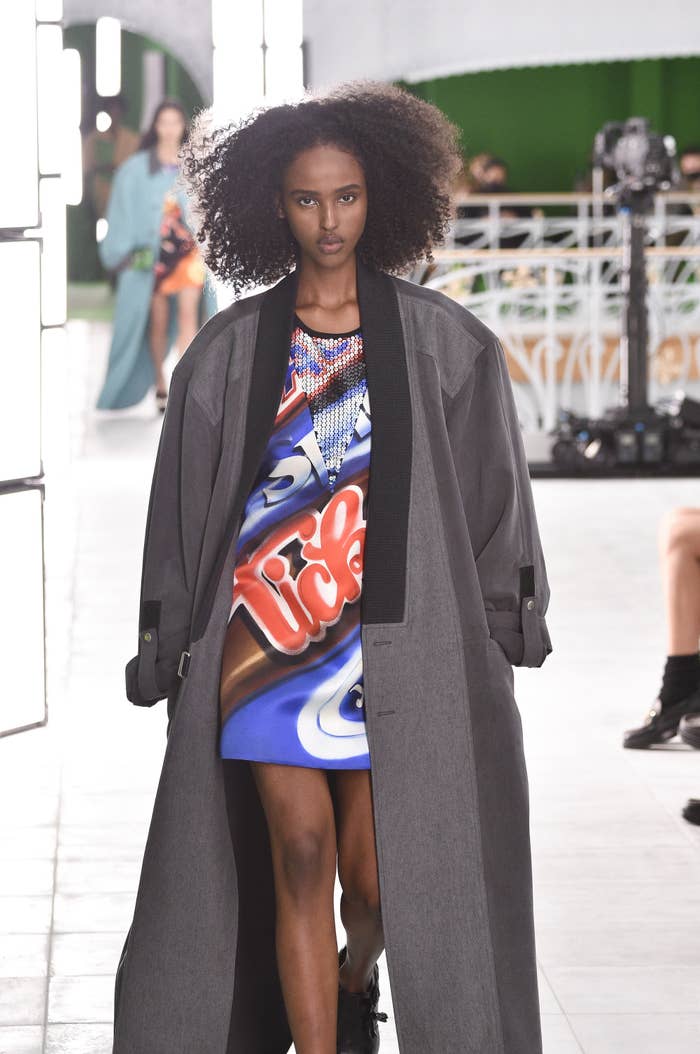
[133,215]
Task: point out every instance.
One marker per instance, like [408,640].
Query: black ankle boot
[358,1032]
[689,730]
[661,722]
[691,811]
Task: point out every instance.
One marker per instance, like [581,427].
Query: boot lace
[373,1016]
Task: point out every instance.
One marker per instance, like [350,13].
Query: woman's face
[324,197]
[170,126]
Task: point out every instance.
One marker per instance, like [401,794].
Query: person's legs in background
[677,707]
[188,300]
[159,339]
[679,552]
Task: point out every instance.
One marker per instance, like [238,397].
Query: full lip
[330,239]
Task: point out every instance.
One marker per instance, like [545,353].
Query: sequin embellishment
[332,373]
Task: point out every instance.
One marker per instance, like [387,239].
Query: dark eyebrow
[348,186]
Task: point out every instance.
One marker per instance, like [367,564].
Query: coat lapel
[384,577]
[270,358]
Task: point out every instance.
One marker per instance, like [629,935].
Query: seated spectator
[689,167]
[475,171]
[689,164]
[488,174]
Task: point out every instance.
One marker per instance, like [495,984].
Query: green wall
[83,261]
[542,120]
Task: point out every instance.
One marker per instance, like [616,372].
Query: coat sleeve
[119,241]
[492,470]
[181,489]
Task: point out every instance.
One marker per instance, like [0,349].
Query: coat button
[530,605]
[147,636]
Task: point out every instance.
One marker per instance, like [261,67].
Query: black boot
[662,722]
[689,730]
[358,1016]
[691,811]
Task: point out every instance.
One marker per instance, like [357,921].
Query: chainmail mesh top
[332,373]
[291,677]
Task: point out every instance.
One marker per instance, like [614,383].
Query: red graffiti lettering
[290,610]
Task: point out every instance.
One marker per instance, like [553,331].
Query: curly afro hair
[408,150]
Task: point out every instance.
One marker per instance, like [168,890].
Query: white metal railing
[558,313]
[566,221]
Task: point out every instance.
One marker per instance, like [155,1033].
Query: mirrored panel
[19,205]
[20,396]
[49,42]
[23,696]
[53,254]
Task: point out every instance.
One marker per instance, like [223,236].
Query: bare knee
[679,531]
[306,862]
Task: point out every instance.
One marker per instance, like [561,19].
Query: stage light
[72,87]
[72,178]
[238,82]
[108,56]
[236,23]
[72,166]
[283,23]
[238,59]
[284,72]
[626,446]
[653,447]
[49,46]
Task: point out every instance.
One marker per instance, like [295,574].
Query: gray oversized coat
[454,594]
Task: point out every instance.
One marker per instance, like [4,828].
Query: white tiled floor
[617,870]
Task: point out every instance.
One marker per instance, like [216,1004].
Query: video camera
[641,159]
[632,434]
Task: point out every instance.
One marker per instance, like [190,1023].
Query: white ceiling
[418,40]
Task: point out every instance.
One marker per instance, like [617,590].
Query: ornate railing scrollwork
[558,314]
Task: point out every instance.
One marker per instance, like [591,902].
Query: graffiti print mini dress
[291,678]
